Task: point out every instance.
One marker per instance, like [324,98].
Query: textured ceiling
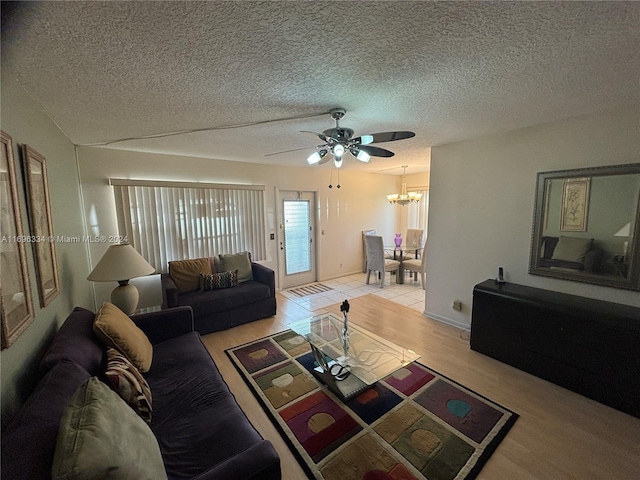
[449,71]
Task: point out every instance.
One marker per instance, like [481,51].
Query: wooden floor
[559,435]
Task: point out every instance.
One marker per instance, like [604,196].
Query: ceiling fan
[339,140]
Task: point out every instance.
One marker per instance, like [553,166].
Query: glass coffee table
[368,358]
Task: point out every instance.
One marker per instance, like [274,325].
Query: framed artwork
[16,306]
[35,176]
[575,205]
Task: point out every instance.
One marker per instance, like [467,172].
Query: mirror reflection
[585,226]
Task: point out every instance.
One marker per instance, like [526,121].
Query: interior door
[297,255]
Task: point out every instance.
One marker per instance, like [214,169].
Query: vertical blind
[173,221]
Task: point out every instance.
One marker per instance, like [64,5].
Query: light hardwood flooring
[559,435]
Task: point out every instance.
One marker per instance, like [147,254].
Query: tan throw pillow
[118,331]
[572,249]
[237,261]
[186,273]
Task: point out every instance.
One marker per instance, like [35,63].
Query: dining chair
[376,261]
[414,237]
[418,266]
[364,248]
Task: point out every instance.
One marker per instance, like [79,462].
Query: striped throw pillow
[127,381]
[216,281]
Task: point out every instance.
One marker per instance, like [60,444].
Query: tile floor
[409,294]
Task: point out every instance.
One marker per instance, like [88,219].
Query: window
[297,236]
[418,214]
[167,221]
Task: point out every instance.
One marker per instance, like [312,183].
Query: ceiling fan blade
[321,136]
[287,151]
[383,137]
[376,151]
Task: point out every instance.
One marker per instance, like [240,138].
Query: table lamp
[119,264]
[624,232]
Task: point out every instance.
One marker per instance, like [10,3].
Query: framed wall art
[35,176]
[16,305]
[575,204]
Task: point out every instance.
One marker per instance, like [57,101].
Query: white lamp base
[125,297]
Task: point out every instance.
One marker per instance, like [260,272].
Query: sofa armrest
[592,260]
[165,324]
[259,462]
[169,291]
[265,276]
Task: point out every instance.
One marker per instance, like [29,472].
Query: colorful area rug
[414,424]
[307,290]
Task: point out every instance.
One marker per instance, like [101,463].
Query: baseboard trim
[448,321]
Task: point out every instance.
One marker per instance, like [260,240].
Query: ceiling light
[337,161]
[338,151]
[315,157]
[404,198]
[366,139]
[363,156]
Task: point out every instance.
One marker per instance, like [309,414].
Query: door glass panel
[297,236]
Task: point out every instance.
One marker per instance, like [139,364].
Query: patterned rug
[307,290]
[414,424]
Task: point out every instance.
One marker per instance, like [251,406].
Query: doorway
[297,254]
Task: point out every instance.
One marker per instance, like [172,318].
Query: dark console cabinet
[589,346]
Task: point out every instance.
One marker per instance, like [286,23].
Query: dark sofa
[588,261]
[215,310]
[201,430]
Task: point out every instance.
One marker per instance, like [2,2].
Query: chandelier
[404,198]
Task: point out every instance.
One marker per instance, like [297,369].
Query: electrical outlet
[457,305]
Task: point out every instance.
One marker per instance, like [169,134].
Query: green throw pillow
[237,261]
[100,436]
[572,249]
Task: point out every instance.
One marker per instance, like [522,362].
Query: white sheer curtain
[418,214]
[167,221]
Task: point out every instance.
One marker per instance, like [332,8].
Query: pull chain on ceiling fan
[339,140]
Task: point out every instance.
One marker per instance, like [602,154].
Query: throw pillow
[185,273]
[126,381]
[216,281]
[572,249]
[237,261]
[101,437]
[117,330]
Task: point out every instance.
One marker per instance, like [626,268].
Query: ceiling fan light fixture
[338,150]
[339,140]
[362,155]
[366,139]
[315,157]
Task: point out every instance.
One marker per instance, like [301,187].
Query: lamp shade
[120,262]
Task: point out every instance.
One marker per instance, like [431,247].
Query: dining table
[399,253]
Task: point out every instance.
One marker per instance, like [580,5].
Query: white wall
[482,198]
[359,204]
[25,121]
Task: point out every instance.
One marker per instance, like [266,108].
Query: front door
[297,259]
